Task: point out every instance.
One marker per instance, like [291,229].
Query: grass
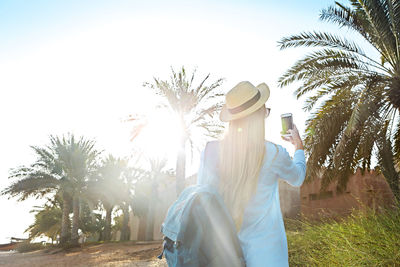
[362,239]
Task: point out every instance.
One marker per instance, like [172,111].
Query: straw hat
[243,99]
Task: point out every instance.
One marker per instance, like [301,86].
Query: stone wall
[362,191]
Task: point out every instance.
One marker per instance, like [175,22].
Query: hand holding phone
[294,138]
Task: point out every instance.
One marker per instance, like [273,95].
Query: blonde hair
[242,152]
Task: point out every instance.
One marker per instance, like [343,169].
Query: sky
[79,67]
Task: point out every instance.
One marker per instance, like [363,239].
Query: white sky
[81,70]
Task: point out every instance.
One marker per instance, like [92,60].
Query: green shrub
[362,239]
[27,246]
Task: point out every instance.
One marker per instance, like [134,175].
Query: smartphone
[287,123]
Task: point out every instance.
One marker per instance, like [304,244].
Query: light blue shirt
[262,235]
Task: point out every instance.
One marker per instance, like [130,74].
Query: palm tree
[194,105]
[125,230]
[140,204]
[62,167]
[354,97]
[156,175]
[43,177]
[130,176]
[78,160]
[108,187]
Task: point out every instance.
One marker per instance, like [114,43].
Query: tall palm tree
[194,105]
[355,98]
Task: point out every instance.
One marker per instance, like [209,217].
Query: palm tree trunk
[125,231]
[75,221]
[180,167]
[65,221]
[142,227]
[107,228]
[101,235]
[151,212]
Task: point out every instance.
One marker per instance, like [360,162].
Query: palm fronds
[349,93]
[33,183]
[386,161]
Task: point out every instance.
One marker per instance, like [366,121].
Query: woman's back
[262,234]
[245,169]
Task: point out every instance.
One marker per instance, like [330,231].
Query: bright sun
[160,135]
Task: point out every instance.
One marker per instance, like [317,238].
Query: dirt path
[111,254]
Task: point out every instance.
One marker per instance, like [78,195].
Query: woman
[246,173]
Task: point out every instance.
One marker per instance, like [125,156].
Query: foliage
[118,221]
[111,187]
[78,160]
[44,176]
[90,222]
[363,239]
[47,221]
[26,246]
[140,201]
[139,183]
[62,168]
[107,185]
[350,94]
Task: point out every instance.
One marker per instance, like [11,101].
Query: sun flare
[160,134]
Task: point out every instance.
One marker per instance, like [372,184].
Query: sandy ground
[111,254]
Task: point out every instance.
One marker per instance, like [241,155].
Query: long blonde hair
[242,152]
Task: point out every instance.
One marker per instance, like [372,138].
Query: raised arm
[291,170]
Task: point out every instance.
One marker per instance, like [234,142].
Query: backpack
[199,230]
